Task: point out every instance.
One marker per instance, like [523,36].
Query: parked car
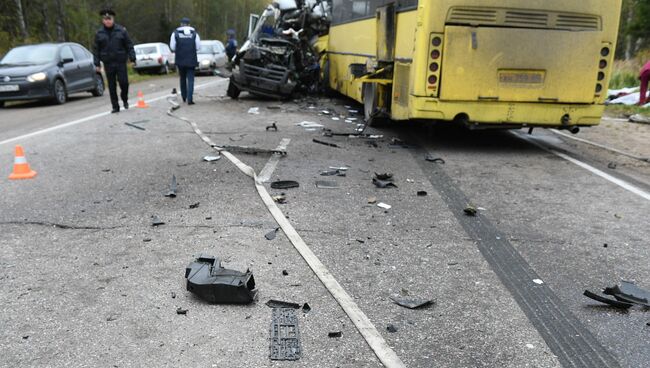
[211,55]
[153,57]
[48,71]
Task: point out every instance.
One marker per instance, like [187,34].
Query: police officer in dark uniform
[114,48]
[185,42]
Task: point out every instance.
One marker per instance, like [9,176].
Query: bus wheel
[370,102]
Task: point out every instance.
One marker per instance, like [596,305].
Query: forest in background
[34,21]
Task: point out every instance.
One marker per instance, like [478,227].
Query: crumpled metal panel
[215,284]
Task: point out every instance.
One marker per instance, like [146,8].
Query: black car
[48,71]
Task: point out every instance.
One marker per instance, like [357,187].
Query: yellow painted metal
[495,74]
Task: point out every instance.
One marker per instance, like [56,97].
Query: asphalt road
[86,280]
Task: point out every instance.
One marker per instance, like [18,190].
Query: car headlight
[205,62]
[37,77]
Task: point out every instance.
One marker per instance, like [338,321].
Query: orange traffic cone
[21,167]
[141,104]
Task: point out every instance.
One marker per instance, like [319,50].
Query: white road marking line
[89,118]
[621,183]
[373,338]
[270,166]
[612,149]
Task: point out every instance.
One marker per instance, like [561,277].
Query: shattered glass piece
[211,158]
[172,188]
[284,184]
[306,308]
[323,184]
[271,235]
[208,280]
[384,205]
[281,199]
[411,303]
[285,335]
[254,110]
[155,221]
[272,303]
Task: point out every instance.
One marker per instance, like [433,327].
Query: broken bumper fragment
[215,284]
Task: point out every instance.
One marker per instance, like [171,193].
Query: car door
[86,67]
[70,67]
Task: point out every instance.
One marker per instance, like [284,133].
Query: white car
[153,57]
[211,55]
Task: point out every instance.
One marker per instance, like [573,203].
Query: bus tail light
[435,63]
[603,64]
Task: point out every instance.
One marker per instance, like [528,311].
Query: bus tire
[370,103]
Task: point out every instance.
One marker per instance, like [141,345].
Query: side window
[66,53]
[79,53]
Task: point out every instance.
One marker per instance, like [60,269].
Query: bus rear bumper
[505,113]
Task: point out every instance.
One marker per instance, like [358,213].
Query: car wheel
[233,90]
[164,69]
[60,94]
[140,72]
[99,86]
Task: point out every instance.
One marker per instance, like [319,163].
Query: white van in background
[153,57]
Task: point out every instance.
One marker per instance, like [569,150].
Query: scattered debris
[323,184]
[146,240]
[195,205]
[211,282]
[271,235]
[173,294]
[155,221]
[211,158]
[626,295]
[422,193]
[284,184]
[173,187]
[638,118]
[538,281]
[391,328]
[250,150]
[272,127]
[612,165]
[272,303]
[181,311]
[335,334]
[106,170]
[134,126]
[254,110]
[285,335]
[411,303]
[470,211]
[384,176]
[398,143]
[309,124]
[372,200]
[285,273]
[383,183]
[274,107]
[384,205]
[325,143]
[431,158]
[306,308]
[332,172]
[281,199]
[112,317]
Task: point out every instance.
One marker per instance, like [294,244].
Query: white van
[153,57]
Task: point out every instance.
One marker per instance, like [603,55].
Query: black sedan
[48,71]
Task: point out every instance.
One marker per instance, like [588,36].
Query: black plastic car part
[285,335]
[215,284]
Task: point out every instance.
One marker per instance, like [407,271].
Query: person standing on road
[114,48]
[231,44]
[644,75]
[185,42]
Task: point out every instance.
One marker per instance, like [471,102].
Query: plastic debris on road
[208,280]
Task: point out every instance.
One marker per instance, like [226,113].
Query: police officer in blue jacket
[114,48]
[185,42]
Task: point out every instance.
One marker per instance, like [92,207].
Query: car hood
[202,57]
[23,70]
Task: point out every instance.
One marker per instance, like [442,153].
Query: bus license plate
[9,88]
[521,77]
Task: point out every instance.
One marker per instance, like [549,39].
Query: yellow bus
[485,63]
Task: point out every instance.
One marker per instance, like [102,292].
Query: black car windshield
[206,49]
[146,50]
[24,55]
